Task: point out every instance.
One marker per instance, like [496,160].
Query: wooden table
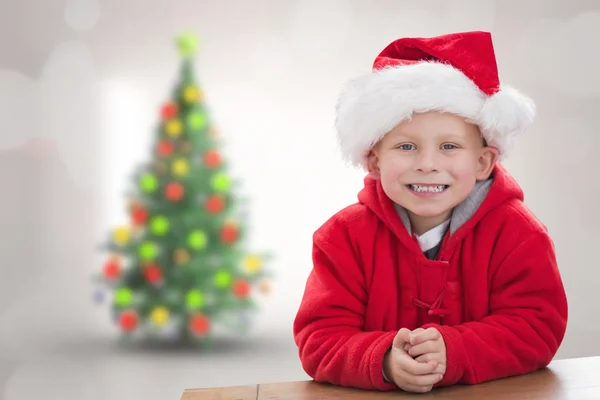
[572,379]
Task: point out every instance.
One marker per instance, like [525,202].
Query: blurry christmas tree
[178,268]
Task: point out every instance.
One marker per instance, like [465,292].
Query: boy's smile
[430,164]
[425,190]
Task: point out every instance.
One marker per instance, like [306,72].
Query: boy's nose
[427,161]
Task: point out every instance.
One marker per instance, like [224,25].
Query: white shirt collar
[432,237]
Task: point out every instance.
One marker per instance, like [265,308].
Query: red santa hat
[455,73]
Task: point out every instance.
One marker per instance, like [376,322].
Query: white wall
[87,76]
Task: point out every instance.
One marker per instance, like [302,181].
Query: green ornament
[160,225]
[147,251]
[221,182]
[222,279]
[197,240]
[197,120]
[194,299]
[123,297]
[148,183]
[187,44]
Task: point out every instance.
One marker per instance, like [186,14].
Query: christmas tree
[178,268]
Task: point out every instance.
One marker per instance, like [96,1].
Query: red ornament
[165,148]
[152,273]
[112,269]
[139,215]
[229,233]
[199,324]
[241,288]
[215,204]
[169,110]
[174,191]
[128,320]
[212,158]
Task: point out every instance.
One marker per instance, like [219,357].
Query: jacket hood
[485,197]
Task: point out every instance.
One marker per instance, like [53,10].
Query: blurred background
[80,85]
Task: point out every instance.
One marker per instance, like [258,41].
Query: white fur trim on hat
[372,105]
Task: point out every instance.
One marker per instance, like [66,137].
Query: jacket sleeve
[526,323]
[328,328]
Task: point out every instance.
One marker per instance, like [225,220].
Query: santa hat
[455,73]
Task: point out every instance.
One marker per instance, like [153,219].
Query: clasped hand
[417,359]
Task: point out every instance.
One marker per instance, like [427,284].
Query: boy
[439,274]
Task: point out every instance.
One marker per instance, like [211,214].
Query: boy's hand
[426,345]
[407,373]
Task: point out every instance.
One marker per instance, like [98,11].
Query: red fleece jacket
[503,309]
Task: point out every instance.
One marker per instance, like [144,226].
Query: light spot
[18,109]
[319,29]
[52,378]
[557,54]
[82,15]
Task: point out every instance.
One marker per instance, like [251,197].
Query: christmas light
[112,269]
[187,44]
[174,191]
[148,183]
[159,315]
[221,182]
[215,204]
[174,128]
[197,240]
[241,288]
[194,299]
[121,235]
[160,225]
[199,324]
[223,279]
[191,94]
[123,297]
[147,251]
[197,120]
[128,320]
[180,167]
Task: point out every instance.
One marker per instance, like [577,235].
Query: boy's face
[430,164]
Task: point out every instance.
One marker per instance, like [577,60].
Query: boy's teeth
[433,189]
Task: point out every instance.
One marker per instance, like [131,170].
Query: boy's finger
[401,338]
[415,389]
[413,367]
[426,380]
[440,369]
[428,334]
[429,346]
[417,331]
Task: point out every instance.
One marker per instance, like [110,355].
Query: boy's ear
[487,162]
[373,165]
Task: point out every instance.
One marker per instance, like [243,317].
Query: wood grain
[571,379]
[249,392]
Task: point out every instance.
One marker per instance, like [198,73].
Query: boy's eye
[448,146]
[406,147]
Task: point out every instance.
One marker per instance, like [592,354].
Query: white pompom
[505,116]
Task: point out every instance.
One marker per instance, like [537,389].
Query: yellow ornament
[181,256]
[121,235]
[159,315]
[180,167]
[252,264]
[191,94]
[174,128]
